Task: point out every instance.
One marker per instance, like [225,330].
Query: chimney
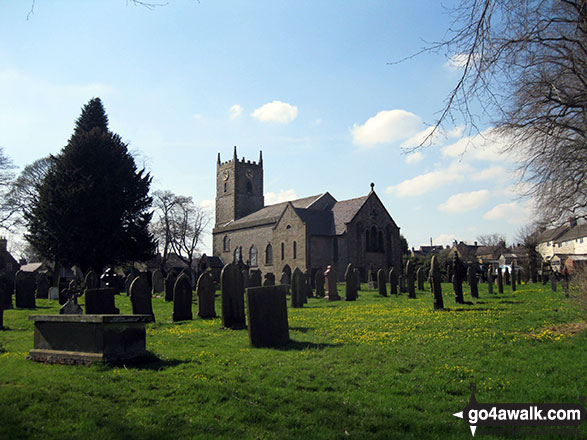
[3,244]
[475,244]
[572,222]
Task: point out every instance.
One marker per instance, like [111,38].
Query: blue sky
[312,84]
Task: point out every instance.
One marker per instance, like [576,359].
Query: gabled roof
[345,210]
[578,231]
[552,234]
[317,222]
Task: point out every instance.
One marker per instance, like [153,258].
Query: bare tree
[524,63]
[6,177]
[494,242]
[528,237]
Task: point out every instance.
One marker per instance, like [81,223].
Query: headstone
[233,300]
[308,285]
[513,277]
[128,281]
[91,280]
[24,289]
[506,276]
[182,299]
[141,298]
[350,283]
[111,279]
[499,281]
[552,283]
[410,278]
[403,285]
[392,282]
[435,284]
[43,285]
[267,316]
[285,281]
[54,293]
[298,290]
[169,285]
[331,290]
[269,279]
[420,278]
[101,301]
[381,284]
[62,285]
[245,275]
[319,282]
[206,291]
[71,307]
[457,282]
[372,279]
[158,281]
[6,289]
[472,280]
[490,279]
[255,278]
[357,280]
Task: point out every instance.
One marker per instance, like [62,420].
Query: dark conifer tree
[93,205]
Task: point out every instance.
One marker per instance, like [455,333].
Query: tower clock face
[225,175]
[249,174]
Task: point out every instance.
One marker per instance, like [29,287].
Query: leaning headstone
[372,279]
[457,282]
[43,284]
[435,284]
[350,283]
[91,280]
[319,281]
[24,289]
[205,291]
[513,277]
[54,293]
[255,278]
[158,281]
[285,281]
[233,300]
[499,281]
[490,280]
[169,285]
[392,282]
[472,279]
[100,301]
[298,290]
[308,284]
[410,279]
[141,298]
[267,316]
[552,283]
[420,278]
[331,289]
[269,279]
[381,283]
[182,299]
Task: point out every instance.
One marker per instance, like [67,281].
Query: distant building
[8,264]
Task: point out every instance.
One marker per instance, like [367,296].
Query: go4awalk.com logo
[520,414]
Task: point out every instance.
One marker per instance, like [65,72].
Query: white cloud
[487,145]
[197,116]
[492,173]
[414,157]
[235,111]
[457,61]
[208,205]
[463,202]
[431,136]
[513,213]
[424,183]
[444,239]
[283,195]
[276,111]
[386,127]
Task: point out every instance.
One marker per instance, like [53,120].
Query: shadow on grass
[300,329]
[149,362]
[304,345]
[481,309]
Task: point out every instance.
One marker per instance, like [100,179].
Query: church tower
[239,188]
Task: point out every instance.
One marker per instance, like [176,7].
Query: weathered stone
[24,289]
[245,275]
[62,284]
[309,293]
[420,278]
[357,280]
[158,281]
[319,282]
[269,279]
[435,284]
[513,277]
[410,279]
[490,279]
[372,279]
[350,283]
[43,284]
[472,280]
[233,299]
[499,281]
[403,285]
[170,280]
[285,280]
[552,283]
[298,289]
[255,278]
[53,293]
[506,276]
[141,298]
[100,302]
[457,282]
[331,289]
[91,280]
[205,291]
[182,299]
[392,282]
[267,316]
[381,283]
[71,307]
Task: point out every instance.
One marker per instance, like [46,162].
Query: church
[309,233]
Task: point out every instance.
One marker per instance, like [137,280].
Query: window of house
[226,244]
[253,255]
[269,254]
[295,250]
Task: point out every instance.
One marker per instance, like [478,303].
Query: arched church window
[253,255]
[237,254]
[373,244]
[380,247]
[295,250]
[269,254]
[282,251]
[225,186]
[226,244]
[367,240]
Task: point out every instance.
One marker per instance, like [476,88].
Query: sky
[315,85]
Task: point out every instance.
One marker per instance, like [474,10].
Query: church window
[373,236]
[380,248]
[269,254]
[295,250]
[225,186]
[367,241]
[282,251]
[288,227]
[237,254]
[226,244]
[253,255]
[249,188]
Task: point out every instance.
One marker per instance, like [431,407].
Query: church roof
[344,211]
[318,222]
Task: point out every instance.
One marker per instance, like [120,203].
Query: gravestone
[513,277]
[319,281]
[472,280]
[499,281]
[53,293]
[490,280]
[435,284]
[309,293]
[182,299]
[269,279]
[233,299]
[420,278]
[43,285]
[71,307]
[381,284]
[141,298]
[205,291]
[111,279]
[331,290]
[255,278]
[284,280]
[91,280]
[128,281]
[267,316]
[552,283]
[6,289]
[457,282]
[357,280]
[24,290]
[245,276]
[372,279]
[100,301]
[158,281]
[403,285]
[506,276]
[350,283]
[298,290]
[410,278]
[392,282]
[62,285]
[169,285]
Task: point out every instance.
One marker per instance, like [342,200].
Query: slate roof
[552,234]
[317,222]
[574,233]
[344,211]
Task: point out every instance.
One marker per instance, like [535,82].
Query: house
[575,262]
[8,264]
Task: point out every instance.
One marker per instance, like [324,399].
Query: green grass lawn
[380,368]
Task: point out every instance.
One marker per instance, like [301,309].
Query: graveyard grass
[377,368]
